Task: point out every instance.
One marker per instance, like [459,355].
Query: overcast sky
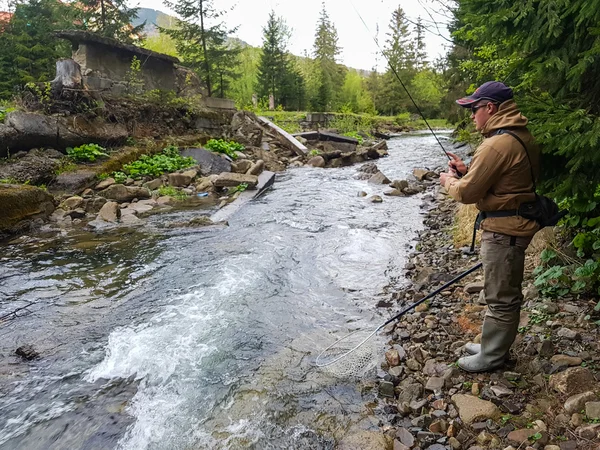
[358,49]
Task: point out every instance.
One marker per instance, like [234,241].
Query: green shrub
[169,160]
[227,147]
[86,152]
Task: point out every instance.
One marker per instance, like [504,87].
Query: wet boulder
[122,194]
[22,204]
[229,179]
[210,163]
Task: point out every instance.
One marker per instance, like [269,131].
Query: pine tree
[201,39]
[330,74]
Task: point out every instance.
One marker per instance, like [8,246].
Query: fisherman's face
[481,112]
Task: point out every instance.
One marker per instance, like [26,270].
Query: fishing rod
[404,86]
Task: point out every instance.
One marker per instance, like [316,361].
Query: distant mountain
[153,19]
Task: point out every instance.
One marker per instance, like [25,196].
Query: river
[155,338]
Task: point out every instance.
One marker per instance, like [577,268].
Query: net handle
[431,294]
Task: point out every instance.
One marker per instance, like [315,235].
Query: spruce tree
[418,46]
[201,40]
[330,74]
[28,48]
[273,68]
[401,61]
[110,18]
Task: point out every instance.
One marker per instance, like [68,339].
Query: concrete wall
[102,61]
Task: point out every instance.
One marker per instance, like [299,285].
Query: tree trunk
[68,74]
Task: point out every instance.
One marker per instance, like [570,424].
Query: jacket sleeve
[485,170]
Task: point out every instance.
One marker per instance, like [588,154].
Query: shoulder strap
[503,131]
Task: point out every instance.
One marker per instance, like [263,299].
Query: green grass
[171,192]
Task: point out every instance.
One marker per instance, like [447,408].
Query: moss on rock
[20,204]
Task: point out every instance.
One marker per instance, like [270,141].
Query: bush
[86,152]
[227,147]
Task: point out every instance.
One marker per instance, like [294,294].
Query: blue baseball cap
[493,91]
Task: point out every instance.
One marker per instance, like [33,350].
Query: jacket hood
[508,116]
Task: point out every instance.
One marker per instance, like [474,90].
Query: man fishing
[497,181]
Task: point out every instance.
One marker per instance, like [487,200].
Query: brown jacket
[499,176]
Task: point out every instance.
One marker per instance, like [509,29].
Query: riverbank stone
[574,380]
[471,408]
[364,440]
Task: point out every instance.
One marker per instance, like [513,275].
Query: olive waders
[503,259]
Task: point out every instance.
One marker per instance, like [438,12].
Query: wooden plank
[285,138]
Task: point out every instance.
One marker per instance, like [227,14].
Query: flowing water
[205,338]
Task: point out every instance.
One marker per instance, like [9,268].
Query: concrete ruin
[106,65]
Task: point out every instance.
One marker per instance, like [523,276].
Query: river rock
[399,184]
[241,166]
[376,199]
[22,204]
[410,392]
[474,288]
[435,384]
[363,440]
[520,437]
[316,161]
[257,168]
[72,203]
[379,178]
[228,179]
[565,360]
[568,334]
[105,183]
[209,162]
[27,352]
[179,179]
[122,194]
[472,408]
[36,167]
[110,212]
[574,380]
[423,174]
[392,357]
[394,193]
[592,410]
[154,184]
[405,437]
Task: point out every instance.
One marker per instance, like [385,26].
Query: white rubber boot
[472,349]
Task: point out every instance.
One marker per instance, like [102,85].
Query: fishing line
[402,83]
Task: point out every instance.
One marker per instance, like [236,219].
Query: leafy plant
[119,177]
[355,135]
[227,147]
[4,112]
[171,192]
[169,160]
[239,188]
[552,282]
[86,152]
[314,152]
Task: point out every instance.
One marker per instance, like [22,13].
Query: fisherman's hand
[456,165]
[444,176]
